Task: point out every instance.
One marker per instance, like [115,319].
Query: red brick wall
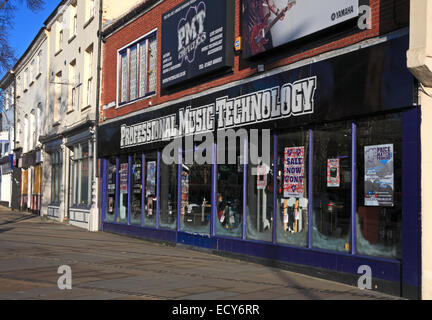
[387,15]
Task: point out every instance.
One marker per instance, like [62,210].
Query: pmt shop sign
[197,38]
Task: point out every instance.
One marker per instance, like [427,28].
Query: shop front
[314,167]
[6,165]
[31,181]
[80,178]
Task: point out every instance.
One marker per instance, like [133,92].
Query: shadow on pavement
[17,219]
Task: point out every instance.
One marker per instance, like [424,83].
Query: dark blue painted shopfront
[360,96]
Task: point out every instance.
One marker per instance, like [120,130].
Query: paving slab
[113,267]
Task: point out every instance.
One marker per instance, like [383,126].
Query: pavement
[113,267]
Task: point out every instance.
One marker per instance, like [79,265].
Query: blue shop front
[314,168]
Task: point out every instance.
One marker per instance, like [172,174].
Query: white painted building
[70,168]
[7,86]
[420,64]
[31,96]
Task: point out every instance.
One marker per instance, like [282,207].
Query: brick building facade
[339,96]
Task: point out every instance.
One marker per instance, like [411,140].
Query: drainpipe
[98,93]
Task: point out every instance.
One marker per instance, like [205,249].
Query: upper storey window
[137,65]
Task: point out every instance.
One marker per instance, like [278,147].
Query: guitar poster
[267,24]
[294,172]
[379,175]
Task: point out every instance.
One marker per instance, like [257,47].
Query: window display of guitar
[259,32]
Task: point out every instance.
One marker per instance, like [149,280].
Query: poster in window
[333,173]
[294,172]
[151,178]
[379,175]
[124,177]
[262,177]
[110,204]
[136,172]
[184,191]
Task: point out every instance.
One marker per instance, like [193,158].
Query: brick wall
[387,16]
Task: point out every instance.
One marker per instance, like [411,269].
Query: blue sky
[27,24]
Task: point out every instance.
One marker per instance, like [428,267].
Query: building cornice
[37,42]
[128,18]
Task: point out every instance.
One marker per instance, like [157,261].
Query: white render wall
[33,96]
[6,188]
[60,120]
[419,60]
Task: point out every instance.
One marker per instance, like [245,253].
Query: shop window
[25,174]
[111,190]
[137,188]
[332,187]
[123,203]
[81,170]
[229,198]
[150,199]
[168,196]
[137,69]
[259,207]
[195,209]
[379,187]
[292,214]
[37,181]
[56,176]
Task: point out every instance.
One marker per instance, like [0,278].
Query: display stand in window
[332,187]
[196,198]
[111,190]
[229,207]
[137,188]
[150,190]
[122,216]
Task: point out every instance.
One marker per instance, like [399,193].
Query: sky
[27,25]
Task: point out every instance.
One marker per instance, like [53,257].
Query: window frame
[125,51]
[76,165]
[56,176]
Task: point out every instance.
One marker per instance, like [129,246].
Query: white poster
[379,175]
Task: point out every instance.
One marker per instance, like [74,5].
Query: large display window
[229,197]
[111,189]
[195,209]
[379,187]
[316,188]
[168,196]
[123,201]
[292,202]
[259,206]
[332,145]
[150,195]
[137,188]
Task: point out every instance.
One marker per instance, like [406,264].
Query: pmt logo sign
[191,33]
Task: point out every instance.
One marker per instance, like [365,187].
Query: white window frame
[126,49]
